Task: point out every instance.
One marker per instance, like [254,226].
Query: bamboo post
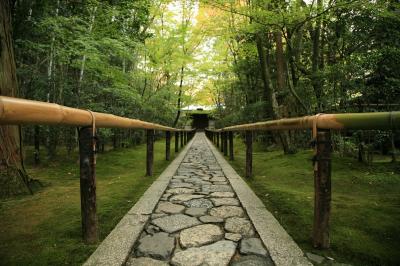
[322,189]
[249,153]
[87,167]
[176,141]
[225,143]
[222,141]
[167,145]
[181,138]
[150,152]
[186,137]
[231,156]
[217,136]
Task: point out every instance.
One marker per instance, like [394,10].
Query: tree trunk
[82,70]
[315,79]
[293,79]
[13,178]
[269,94]
[36,137]
[178,112]
[52,133]
[287,144]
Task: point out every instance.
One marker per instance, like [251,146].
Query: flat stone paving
[199,220]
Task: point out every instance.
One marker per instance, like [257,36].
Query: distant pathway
[199,219]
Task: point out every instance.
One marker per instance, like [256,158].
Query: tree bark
[13,178]
[268,95]
[83,62]
[288,147]
[178,112]
[52,133]
[315,79]
[36,141]
[272,106]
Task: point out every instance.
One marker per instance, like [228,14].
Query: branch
[234,11]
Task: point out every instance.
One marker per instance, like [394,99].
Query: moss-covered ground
[365,217]
[45,229]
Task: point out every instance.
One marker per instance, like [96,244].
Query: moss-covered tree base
[13,182]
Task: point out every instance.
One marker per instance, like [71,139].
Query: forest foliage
[128,58]
[251,60]
[304,57]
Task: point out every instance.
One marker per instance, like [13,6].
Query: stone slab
[225,201]
[222,194]
[217,254]
[210,219]
[226,212]
[199,203]
[184,197]
[169,207]
[252,246]
[176,222]
[194,211]
[144,261]
[159,246]
[240,226]
[200,235]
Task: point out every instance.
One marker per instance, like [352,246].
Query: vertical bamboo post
[217,136]
[225,143]
[176,141]
[231,157]
[167,145]
[249,153]
[322,189]
[150,152]
[181,138]
[186,137]
[222,141]
[87,167]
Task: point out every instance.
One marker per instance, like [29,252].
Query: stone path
[199,220]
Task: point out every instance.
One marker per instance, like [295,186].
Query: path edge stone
[116,247]
[282,248]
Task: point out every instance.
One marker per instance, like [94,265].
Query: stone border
[282,248]
[116,247]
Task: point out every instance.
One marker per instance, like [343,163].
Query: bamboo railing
[356,121]
[321,126]
[14,111]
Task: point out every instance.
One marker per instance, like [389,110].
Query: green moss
[45,229]
[365,203]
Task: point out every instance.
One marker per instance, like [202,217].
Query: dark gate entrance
[200,121]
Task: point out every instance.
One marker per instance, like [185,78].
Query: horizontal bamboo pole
[377,120]
[213,130]
[15,111]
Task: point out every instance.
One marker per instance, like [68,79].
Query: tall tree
[13,178]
